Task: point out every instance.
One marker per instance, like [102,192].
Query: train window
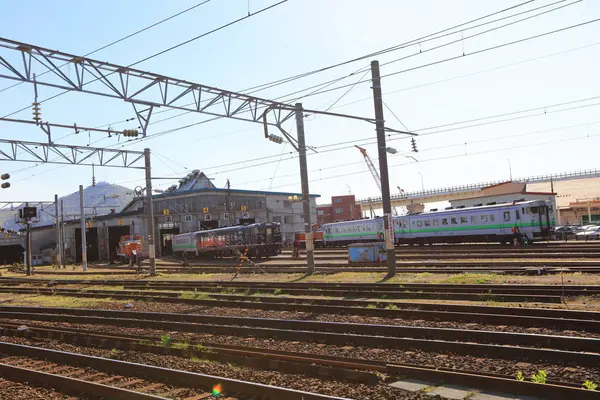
[453,221]
[427,222]
[484,218]
[419,224]
[436,222]
[444,221]
[464,220]
[506,216]
[534,210]
[517,214]
[474,219]
[414,223]
[523,210]
[492,218]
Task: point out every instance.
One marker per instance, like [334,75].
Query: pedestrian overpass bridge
[472,190]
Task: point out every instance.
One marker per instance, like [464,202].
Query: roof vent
[490,204]
[478,205]
[433,209]
[460,207]
[448,208]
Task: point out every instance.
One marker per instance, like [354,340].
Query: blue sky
[302,35]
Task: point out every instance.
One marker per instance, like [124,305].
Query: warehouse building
[195,204]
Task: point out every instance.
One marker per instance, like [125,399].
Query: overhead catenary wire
[121,39]
[175,130]
[166,50]
[432,36]
[352,85]
[449,157]
[476,52]
[292,155]
[513,115]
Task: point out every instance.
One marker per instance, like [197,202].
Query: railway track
[428,294]
[478,343]
[524,317]
[97,377]
[354,370]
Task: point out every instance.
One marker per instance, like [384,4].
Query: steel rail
[479,343]
[178,377]
[385,289]
[337,367]
[482,296]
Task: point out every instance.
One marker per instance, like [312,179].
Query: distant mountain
[98,200]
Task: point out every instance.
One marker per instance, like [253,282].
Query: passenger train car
[261,239]
[492,223]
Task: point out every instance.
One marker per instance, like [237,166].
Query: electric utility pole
[63,235]
[310,255]
[150,214]
[58,235]
[83,241]
[383,170]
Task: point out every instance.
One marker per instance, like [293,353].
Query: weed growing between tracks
[59,301]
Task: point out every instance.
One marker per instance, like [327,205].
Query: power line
[473,73]
[449,157]
[393,48]
[162,133]
[165,51]
[120,40]
[465,55]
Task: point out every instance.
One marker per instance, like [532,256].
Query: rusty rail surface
[583,351]
[173,377]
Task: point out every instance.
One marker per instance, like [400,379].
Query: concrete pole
[589,213]
[63,235]
[83,241]
[58,235]
[150,214]
[310,253]
[383,170]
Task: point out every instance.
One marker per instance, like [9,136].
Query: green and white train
[491,223]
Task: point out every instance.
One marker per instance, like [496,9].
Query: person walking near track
[516,235]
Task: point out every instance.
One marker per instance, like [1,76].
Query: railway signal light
[414,145]
[36,111]
[275,139]
[131,133]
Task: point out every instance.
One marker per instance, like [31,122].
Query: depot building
[195,204]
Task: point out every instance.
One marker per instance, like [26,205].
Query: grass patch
[470,278]
[194,296]
[60,301]
[180,345]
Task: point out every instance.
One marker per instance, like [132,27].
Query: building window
[286,220]
[320,212]
[338,200]
[339,210]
